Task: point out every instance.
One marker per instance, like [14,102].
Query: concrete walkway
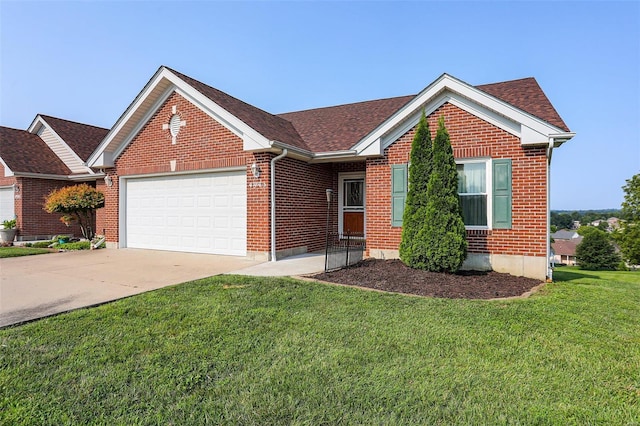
[37,286]
[303,264]
[33,287]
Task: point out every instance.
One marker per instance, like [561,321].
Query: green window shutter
[502,194]
[398,193]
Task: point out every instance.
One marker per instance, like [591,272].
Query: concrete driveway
[33,287]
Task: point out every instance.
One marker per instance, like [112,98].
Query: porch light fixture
[329,196]
[255,170]
[16,188]
[108,181]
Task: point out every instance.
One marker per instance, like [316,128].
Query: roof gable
[257,128]
[24,152]
[83,139]
[531,129]
[527,95]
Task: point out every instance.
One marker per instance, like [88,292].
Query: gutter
[272,171]
[72,178]
[555,140]
[549,153]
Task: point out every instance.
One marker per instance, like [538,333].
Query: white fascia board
[466,97]
[7,171]
[35,124]
[116,130]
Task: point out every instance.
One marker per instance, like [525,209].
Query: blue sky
[86,61]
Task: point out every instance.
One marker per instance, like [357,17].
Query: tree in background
[562,220]
[628,237]
[596,252]
[77,202]
[442,236]
[420,165]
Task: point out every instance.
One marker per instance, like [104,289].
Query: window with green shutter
[502,194]
[398,193]
[476,177]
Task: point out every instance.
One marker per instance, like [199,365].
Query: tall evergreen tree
[442,236]
[420,164]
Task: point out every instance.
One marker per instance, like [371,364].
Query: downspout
[272,170]
[549,153]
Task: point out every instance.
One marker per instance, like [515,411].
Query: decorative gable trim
[58,145]
[530,129]
[149,100]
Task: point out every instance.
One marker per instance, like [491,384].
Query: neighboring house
[565,234]
[190,168]
[49,155]
[564,251]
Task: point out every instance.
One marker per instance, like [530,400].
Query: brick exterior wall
[32,219]
[301,204]
[470,137]
[202,144]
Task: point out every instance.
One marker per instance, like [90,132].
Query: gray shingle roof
[24,152]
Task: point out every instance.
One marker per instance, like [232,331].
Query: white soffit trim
[7,171]
[530,129]
[150,99]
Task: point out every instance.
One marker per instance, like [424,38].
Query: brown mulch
[394,276]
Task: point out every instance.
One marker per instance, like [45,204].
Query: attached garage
[7,211]
[199,213]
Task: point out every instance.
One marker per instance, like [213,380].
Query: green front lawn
[16,251]
[263,351]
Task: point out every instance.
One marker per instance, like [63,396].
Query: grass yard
[264,351]
[16,251]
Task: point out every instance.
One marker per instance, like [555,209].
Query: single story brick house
[190,168]
[49,155]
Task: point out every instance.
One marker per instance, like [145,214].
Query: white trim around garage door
[201,211]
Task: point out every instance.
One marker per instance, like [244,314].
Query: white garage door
[200,213]
[7,211]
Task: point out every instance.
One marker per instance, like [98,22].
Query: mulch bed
[394,276]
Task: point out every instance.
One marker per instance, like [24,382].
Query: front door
[352,199]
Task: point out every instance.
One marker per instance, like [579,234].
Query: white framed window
[474,189]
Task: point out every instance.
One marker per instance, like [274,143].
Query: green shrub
[78,245]
[596,252]
[41,244]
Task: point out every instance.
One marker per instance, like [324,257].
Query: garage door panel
[203,213]
[7,196]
